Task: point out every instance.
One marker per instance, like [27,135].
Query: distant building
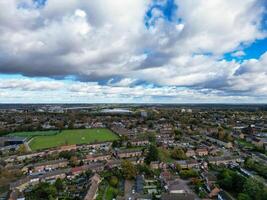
[128,153]
[10,141]
[202,152]
[190,153]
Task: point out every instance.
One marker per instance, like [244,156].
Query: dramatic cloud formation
[127,49]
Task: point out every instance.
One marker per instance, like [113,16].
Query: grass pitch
[30,134]
[76,136]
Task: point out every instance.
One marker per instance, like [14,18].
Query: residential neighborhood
[163,152]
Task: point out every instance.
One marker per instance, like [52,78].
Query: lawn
[67,137]
[33,133]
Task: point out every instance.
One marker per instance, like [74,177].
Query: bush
[113,181]
[188,173]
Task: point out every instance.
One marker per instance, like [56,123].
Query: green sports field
[67,137]
[30,134]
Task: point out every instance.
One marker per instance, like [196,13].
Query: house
[97,157]
[128,153]
[223,160]
[99,145]
[209,180]
[182,164]
[220,142]
[190,153]
[9,141]
[53,175]
[30,156]
[202,152]
[187,164]
[192,163]
[258,142]
[139,142]
[23,183]
[92,191]
[214,152]
[157,165]
[165,177]
[95,167]
[177,187]
[185,196]
[48,165]
[139,184]
[214,192]
[67,148]
[113,163]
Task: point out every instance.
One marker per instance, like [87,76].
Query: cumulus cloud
[116,45]
[25,90]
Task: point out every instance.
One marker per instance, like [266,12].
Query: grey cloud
[105,39]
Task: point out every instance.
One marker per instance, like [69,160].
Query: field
[67,137]
[29,134]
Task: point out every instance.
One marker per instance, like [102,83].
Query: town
[133,152]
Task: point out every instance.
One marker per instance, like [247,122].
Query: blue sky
[133,51]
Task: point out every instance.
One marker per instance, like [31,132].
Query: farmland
[67,137]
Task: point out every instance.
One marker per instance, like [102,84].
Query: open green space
[68,137]
[34,133]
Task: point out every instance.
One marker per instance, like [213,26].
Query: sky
[133,51]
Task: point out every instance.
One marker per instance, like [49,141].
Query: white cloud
[108,41]
[238,54]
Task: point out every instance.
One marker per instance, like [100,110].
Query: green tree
[178,154]
[74,161]
[151,137]
[59,184]
[113,181]
[243,196]
[254,189]
[128,169]
[42,191]
[152,155]
[144,169]
[178,167]
[188,173]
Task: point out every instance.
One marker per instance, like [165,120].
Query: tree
[178,167]
[221,133]
[42,191]
[151,137]
[188,173]
[74,161]
[113,181]
[254,189]
[178,154]
[22,149]
[59,185]
[152,155]
[129,144]
[243,196]
[228,137]
[116,143]
[66,154]
[144,169]
[128,169]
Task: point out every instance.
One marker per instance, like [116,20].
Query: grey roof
[184,196]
